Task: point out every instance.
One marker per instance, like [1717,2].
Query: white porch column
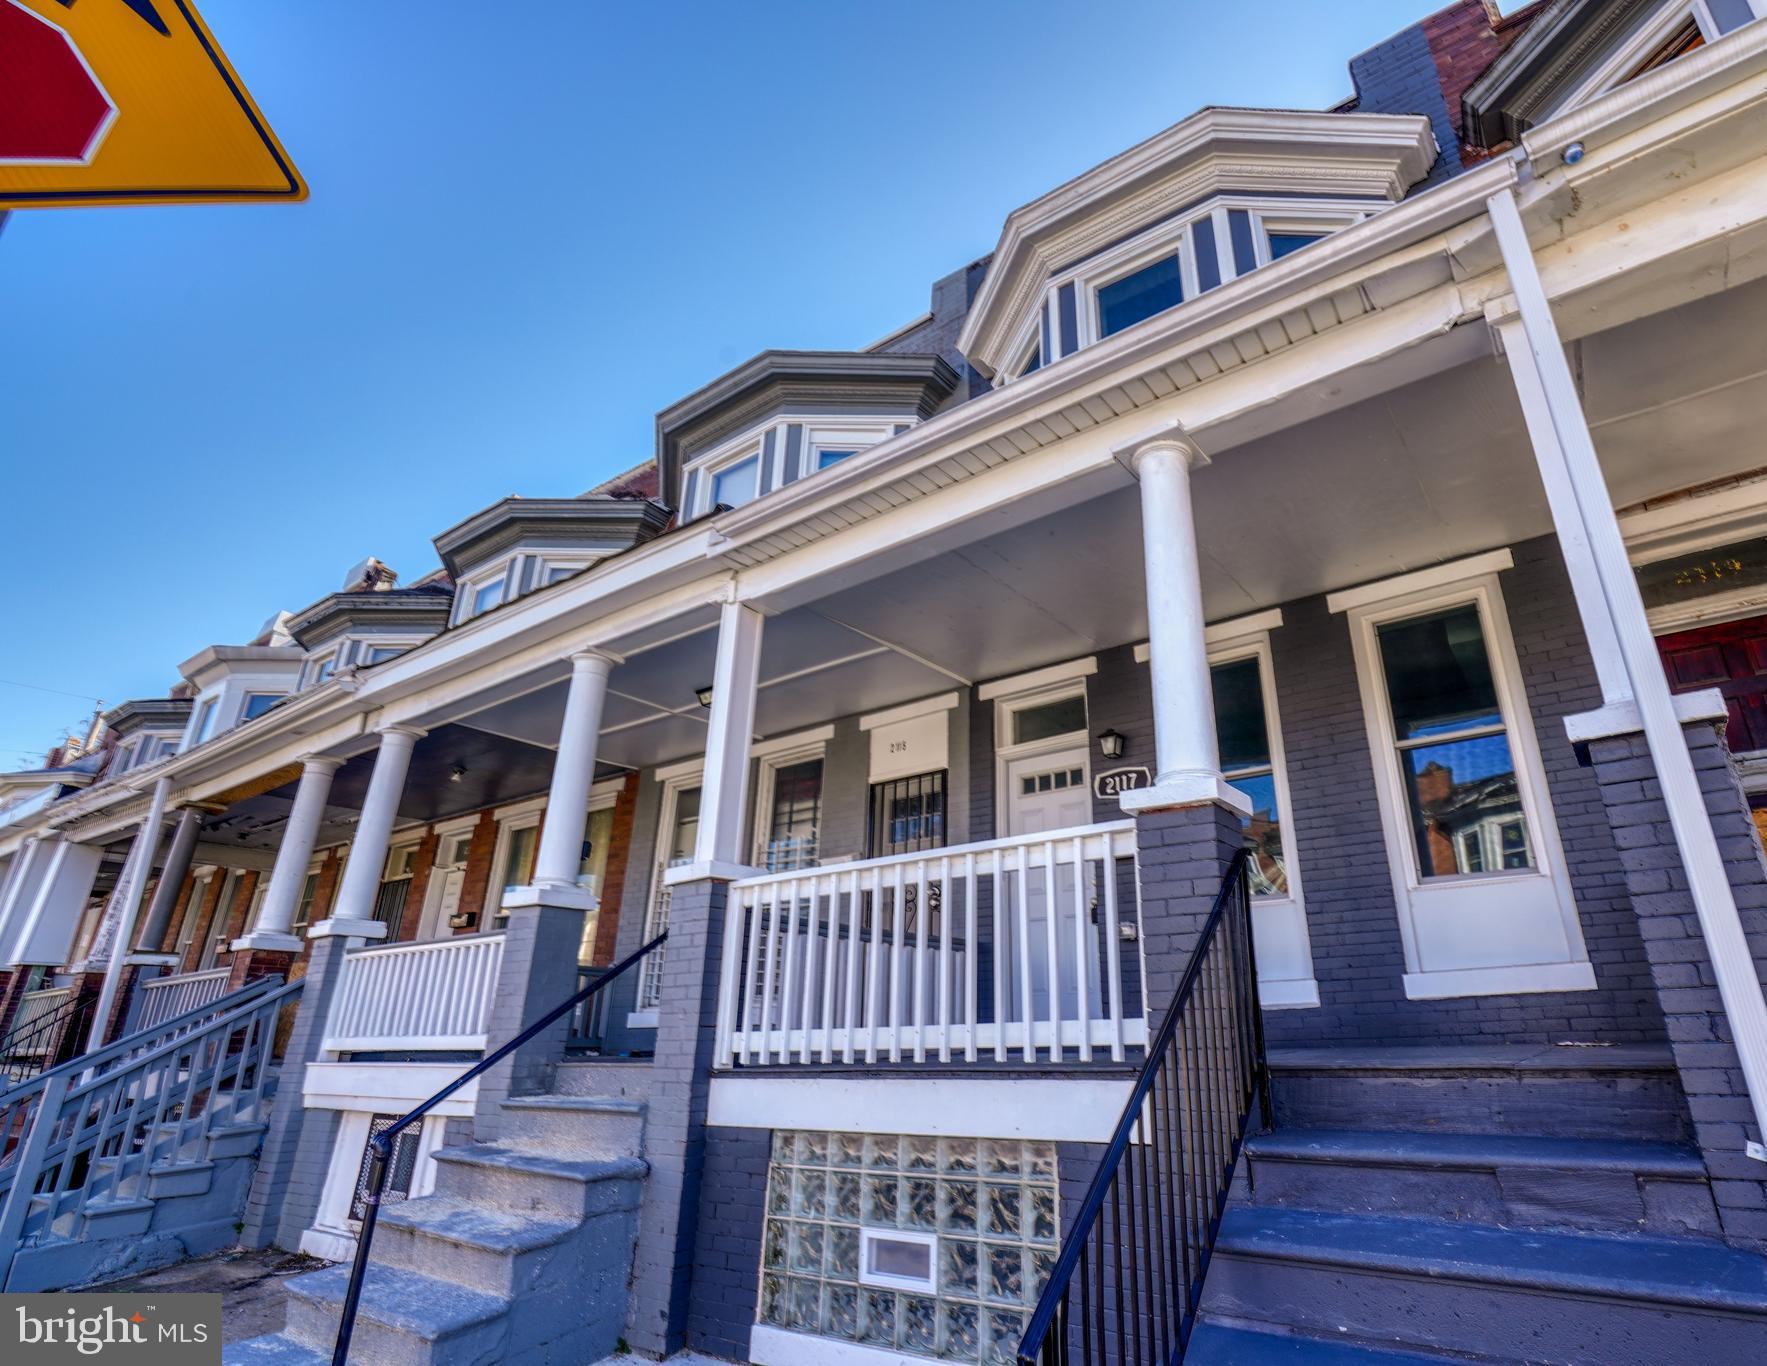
[150,947]
[723,800]
[274,930]
[573,774]
[368,851]
[137,871]
[1566,454]
[1186,751]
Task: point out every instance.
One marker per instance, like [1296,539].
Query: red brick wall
[1465,39]
[619,851]
[206,918]
[477,881]
[422,864]
[181,909]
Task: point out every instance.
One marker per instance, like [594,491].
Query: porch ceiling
[1435,465]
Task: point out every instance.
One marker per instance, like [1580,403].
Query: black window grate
[404,1162]
[907,815]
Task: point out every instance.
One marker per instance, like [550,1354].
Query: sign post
[127,102]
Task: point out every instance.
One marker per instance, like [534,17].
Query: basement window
[903,1261]
[401,1165]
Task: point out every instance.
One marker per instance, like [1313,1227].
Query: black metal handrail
[380,1146]
[1165,1175]
[55,1030]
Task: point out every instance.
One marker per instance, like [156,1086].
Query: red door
[1733,659]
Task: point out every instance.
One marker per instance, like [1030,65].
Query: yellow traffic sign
[127,102]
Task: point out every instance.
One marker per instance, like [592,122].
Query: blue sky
[531,227]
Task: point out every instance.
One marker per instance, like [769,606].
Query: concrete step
[274,1349]
[1507,1179]
[1216,1344]
[462,1241]
[1625,1092]
[403,1319]
[1497,1294]
[615,1078]
[168,1179]
[591,1125]
[517,1178]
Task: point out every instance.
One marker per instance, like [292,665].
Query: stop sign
[51,105]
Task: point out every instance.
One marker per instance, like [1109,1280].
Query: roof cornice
[1506,100]
[129,717]
[330,616]
[1213,151]
[759,385]
[616,523]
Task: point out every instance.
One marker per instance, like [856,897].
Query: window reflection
[1243,734]
[1463,800]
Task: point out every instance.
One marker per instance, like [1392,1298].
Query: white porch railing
[160,998]
[434,995]
[1007,948]
[33,1008]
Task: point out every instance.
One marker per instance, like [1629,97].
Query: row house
[1230,743]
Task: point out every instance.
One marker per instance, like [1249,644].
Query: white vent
[899,1260]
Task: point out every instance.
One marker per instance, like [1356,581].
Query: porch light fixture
[1111,744]
[704,694]
[456,773]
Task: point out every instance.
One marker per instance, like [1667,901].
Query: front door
[1044,792]
[1732,658]
[442,900]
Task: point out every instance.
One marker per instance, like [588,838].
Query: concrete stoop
[188,1206]
[523,1253]
[1492,1228]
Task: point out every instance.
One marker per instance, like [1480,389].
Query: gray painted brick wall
[727,1250]
[675,1125]
[296,1153]
[1351,913]
[1681,967]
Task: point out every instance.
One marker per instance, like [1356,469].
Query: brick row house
[1377,490]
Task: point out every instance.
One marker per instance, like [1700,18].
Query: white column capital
[1168,440]
[595,659]
[403,734]
[321,763]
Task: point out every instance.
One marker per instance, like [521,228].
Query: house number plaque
[1120,780]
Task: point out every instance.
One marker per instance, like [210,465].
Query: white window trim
[1259,649]
[517,816]
[908,711]
[771,756]
[733,452]
[246,700]
[929,1285]
[1419,594]
[1645,39]
[314,868]
[314,663]
[570,564]
[502,573]
[399,643]
[839,433]
[1084,667]
[1174,237]
[677,777]
[204,717]
[1057,690]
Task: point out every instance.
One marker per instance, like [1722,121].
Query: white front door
[441,901]
[1048,791]
[1485,903]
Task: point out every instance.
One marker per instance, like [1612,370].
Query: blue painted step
[1512,1180]
[1435,1285]
[1214,1344]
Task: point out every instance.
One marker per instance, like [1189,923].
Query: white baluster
[1082,953]
[851,1011]
[944,984]
[1051,917]
[1113,953]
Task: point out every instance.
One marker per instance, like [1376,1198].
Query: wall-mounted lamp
[704,694]
[456,773]
[1111,744]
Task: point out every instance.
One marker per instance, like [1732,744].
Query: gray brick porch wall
[1680,965]
[675,1128]
[537,973]
[296,1153]
[1183,854]
[727,1251]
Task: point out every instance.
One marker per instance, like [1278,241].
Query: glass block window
[989,1206]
